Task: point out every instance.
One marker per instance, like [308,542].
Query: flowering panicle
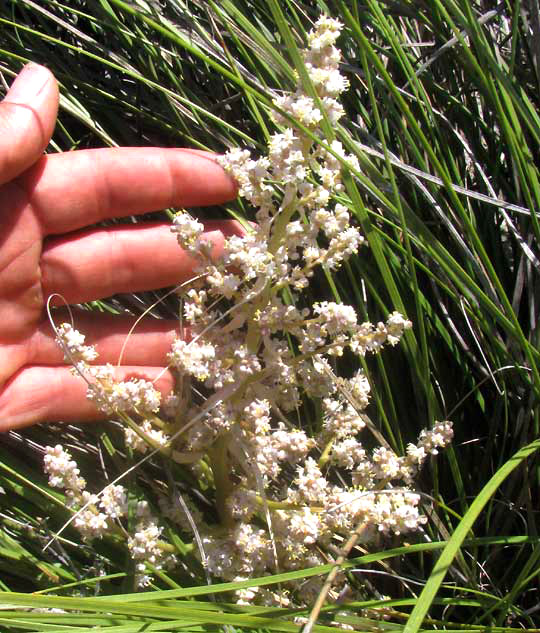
[145,545]
[109,395]
[259,353]
[96,514]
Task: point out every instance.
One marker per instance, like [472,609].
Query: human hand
[46,201]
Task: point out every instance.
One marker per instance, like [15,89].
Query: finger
[27,118]
[112,336]
[77,189]
[99,263]
[45,394]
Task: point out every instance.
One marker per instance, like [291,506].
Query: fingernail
[28,83]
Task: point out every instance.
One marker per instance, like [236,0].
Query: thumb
[27,118]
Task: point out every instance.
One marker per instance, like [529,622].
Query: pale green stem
[166,450]
[284,505]
[219,463]
[253,334]
[325,455]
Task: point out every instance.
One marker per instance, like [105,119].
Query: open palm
[46,203]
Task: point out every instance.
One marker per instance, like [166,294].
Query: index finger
[73,190]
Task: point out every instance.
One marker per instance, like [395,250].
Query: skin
[47,203]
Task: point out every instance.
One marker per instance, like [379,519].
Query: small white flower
[187,229]
[138,443]
[114,501]
[310,482]
[387,463]
[62,469]
[72,342]
[193,358]
[437,437]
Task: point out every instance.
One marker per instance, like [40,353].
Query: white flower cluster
[321,61]
[145,437]
[62,470]
[111,396]
[258,354]
[145,545]
[96,516]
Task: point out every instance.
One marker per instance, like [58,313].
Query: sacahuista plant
[259,413]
